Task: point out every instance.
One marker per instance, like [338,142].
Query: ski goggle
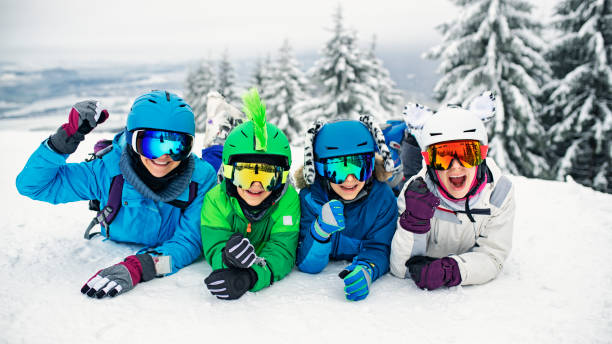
[155,143]
[243,174]
[337,169]
[469,153]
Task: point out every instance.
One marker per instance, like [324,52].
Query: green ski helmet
[256,140]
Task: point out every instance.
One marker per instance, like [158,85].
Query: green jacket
[274,237]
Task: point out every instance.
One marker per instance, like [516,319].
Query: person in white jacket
[457,214]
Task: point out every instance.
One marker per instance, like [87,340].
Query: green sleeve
[279,252]
[215,226]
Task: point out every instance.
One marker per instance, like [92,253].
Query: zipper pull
[249,228]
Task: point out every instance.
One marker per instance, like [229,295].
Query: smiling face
[349,189]
[254,195]
[161,166]
[457,180]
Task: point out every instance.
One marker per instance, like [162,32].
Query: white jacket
[480,248]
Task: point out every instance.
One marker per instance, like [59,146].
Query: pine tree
[580,101]
[494,45]
[284,86]
[389,97]
[200,81]
[344,89]
[227,81]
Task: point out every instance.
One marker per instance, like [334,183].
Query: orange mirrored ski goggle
[469,153]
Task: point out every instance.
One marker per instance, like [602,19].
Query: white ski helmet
[452,123]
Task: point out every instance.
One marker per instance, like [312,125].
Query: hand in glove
[330,220]
[82,119]
[121,277]
[420,207]
[357,279]
[432,273]
[239,252]
[230,284]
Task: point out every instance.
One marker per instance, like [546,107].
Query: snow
[555,287]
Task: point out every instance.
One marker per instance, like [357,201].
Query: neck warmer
[164,189]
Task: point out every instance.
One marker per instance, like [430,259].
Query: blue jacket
[157,225]
[370,224]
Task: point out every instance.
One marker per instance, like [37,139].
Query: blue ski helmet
[161,110]
[346,137]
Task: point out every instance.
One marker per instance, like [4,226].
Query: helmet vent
[331,147]
[435,134]
[470,130]
[167,96]
[362,144]
[245,135]
[182,105]
[152,101]
[231,145]
[275,135]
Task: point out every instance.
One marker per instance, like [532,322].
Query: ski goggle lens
[155,143]
[469,153]
[336,170]
[243,174]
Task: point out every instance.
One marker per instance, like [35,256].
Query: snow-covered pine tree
[580,101]
[259,73]
[285,86]
[343,87]
[226,78]
[200,80]
[389,97]
[495,45]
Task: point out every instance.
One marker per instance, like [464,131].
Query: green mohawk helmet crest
[255,111]
[256,139]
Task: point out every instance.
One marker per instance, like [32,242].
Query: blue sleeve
[213,155]
[185,246]
[47,177]
[312,255]
[377,244]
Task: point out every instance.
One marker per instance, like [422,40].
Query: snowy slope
[555,288]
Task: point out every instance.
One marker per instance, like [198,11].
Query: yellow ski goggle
[243,174]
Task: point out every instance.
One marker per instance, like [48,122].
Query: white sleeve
[486,259]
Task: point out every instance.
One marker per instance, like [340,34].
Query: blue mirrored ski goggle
[156,143]
[337,169]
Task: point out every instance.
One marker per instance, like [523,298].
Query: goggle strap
[426,157]
[483,151]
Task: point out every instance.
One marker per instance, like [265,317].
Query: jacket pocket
[138,221]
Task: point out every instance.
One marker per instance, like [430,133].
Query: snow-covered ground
[556,286]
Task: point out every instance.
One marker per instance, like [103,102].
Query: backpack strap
[106,215]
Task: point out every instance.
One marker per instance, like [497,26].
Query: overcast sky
[138,30]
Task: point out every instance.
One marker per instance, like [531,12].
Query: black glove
[81,121]
[416,264]
[238,252]
[230,284]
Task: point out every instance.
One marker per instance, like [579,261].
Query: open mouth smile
[457,182]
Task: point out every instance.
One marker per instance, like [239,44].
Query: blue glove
[357,279]
[330,220]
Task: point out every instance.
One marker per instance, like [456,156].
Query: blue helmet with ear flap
[346,137]
[161,110]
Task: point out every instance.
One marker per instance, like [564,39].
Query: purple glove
[420,207]
[81,120]
[433,273]
[121,277]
